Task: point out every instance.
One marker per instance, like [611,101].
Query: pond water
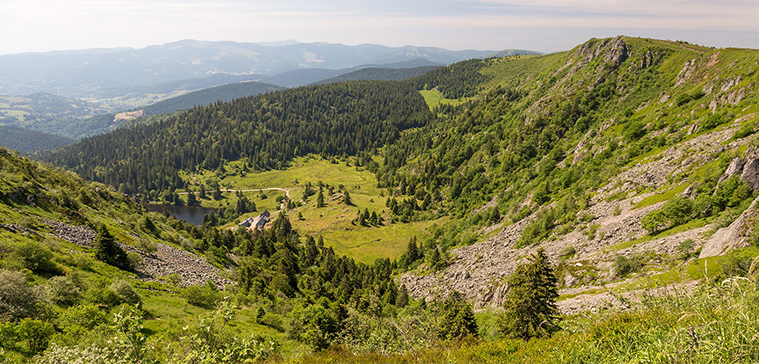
[193,215]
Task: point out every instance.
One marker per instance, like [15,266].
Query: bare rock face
[731,237]
[612,50]
[193,269]
[750,173]
[747,169]
[735,167]
[79,235]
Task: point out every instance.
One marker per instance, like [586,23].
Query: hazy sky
[542,25]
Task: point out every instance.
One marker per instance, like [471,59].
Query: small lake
[193,215]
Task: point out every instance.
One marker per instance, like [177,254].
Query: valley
[404,213]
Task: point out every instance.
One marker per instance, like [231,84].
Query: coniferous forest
[268,130]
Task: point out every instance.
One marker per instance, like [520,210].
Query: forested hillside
[28,141]
[89,273]
[208,96]
[614,155]
[267,130]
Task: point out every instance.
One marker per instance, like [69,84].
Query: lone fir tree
[530,306]
[320,199]
[108,250]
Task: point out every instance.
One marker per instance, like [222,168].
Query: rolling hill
[384,74]
[305,77]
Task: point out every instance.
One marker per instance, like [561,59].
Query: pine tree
[458,318]
[530,307]
[108,250]
[320,199]
[434,258]
[412,251]
[495,216]
[401,300]
[347,198]
[149,226]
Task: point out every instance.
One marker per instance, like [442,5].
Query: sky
[540,25]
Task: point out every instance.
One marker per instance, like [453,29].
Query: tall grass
[714,323]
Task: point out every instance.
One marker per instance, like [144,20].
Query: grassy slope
[649,96]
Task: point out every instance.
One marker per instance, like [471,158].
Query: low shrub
[124,292]
[624,266]
[86,316]
[17,299]
[35,333]
[63,291]
[205,296]
[36,257]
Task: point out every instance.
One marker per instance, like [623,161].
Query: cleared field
[434,98]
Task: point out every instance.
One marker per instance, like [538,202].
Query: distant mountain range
[309,76]
[85,72]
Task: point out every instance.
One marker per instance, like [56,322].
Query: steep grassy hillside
[53,277]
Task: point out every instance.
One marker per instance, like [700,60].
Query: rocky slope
[164,261]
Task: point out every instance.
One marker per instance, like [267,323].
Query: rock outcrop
[166,260]
[79,235]
[734,236]
[747,168]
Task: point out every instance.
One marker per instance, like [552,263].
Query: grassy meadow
[335,221]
